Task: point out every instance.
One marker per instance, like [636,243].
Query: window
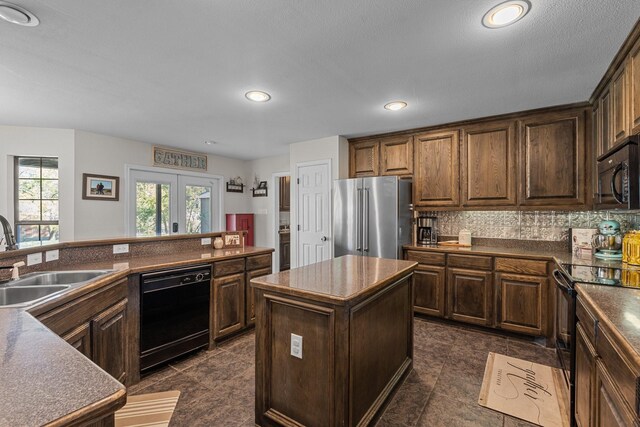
[36,200]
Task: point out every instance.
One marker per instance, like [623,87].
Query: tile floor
[442,390]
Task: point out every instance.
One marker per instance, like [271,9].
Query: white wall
[264,208]
[102,154]
[334,148]
[29,141]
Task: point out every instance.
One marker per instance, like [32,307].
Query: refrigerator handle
[365,219]
[359,220]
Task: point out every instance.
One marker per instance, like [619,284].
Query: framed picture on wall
[100,187]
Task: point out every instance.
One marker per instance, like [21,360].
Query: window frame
[16,197]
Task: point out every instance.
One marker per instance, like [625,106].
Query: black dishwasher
[174,314]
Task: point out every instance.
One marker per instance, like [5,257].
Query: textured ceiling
[174,72]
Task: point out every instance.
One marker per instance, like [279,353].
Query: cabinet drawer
[258,261]
[587,320]
[521,266]
[432,258]
[225,268]
[617,366]
[470,261]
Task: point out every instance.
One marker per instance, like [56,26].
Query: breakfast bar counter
[333,340]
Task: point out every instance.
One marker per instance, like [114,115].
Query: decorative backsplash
[527,225]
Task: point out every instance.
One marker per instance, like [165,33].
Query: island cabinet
[333,341]
[492,291]
[606,373]
[96,325]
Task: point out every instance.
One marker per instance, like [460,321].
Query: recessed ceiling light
[17,15]
[210,142]
[506,13]
[395,105]
[257,96]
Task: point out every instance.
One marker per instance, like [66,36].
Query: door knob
[324,238]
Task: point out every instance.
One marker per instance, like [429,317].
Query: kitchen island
[333,340]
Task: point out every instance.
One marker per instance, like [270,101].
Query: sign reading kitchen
[170,158]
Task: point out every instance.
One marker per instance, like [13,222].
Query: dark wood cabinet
[521,302]
[469,296]
[250,303]
[228,304]
[584,378]
[619,107]
[396,155]
[429,290]
[610,408]
[364,159]
[553,159]
[606,127]
[488,164]
[285,193]
[285,251]
[437,166]
[109,340]
[80,339]
[634,89]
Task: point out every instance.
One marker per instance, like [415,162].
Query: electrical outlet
[52,255]
[33,259]
[121,249]
[296,346]
[205,241]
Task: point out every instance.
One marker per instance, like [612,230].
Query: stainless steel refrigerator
[371,216]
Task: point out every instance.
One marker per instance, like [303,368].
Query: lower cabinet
[610,408]
[250,309]
[429,290]
[469,296]
[228,304]
[584,378]
[521,303]
[108,340]
[96,325]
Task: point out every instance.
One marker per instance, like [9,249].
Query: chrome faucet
[8,234]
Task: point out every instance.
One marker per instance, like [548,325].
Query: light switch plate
[205,241]
[121,249]
[52,255]
[296,346]
[33,259]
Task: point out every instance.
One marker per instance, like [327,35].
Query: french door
[167,203]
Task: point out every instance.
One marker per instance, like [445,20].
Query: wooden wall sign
[177,159]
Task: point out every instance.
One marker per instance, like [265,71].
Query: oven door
[565,323]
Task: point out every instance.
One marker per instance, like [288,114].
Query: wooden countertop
[340,280]
[45,380]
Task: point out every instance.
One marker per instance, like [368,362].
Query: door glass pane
[152,209]
[198,208]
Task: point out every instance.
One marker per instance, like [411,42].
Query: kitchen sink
[58,278]
[15,296]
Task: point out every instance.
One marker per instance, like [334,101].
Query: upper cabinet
[619,107]
[488,158]
[634,88]
[553,159]
[384,156]
[437,168]
[364,159]
[285,193]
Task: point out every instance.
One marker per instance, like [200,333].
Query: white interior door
[154,203]
[313,213]
[197,204]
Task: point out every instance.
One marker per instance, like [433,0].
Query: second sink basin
[23,294]
[59,278]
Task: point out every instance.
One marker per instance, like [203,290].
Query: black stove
[616,274]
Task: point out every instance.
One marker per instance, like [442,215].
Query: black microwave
[618,177]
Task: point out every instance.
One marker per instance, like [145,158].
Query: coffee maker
[426,232]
